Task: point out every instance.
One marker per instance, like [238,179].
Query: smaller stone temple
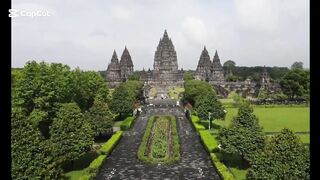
[119,72]
[208,70]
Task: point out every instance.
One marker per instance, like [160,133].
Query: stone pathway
[123,163]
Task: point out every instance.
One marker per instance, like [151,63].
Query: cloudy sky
[84,33]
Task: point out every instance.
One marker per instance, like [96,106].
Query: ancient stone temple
[165,68]
[217,74]
[203,71]
[119,72]
[208,70]
[126,65]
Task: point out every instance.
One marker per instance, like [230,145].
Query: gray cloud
[83,34]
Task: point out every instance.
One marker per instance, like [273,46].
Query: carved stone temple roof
[126,60]
[165,58]
[204,61]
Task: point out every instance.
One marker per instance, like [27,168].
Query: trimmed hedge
[126,124]
[143,145]
[222,170]
[110,144]
[93,169]
[195,120]
[209,141]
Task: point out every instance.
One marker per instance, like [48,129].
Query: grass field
[275,119]
[175,91]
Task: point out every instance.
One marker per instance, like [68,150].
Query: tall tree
[100,117]
[284,157]
[86,86]
[196,88]
[125,96]
[71,134]
[31,155]
[244,136]
[209,103]
[297,65]
[295,83]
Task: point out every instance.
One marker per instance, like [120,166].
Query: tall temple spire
[114,57]
[216,56]
[165,58]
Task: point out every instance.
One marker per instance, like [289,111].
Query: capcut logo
[28,13]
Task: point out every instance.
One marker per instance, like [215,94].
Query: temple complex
[166,72]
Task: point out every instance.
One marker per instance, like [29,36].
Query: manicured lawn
[275,119]
[175,91]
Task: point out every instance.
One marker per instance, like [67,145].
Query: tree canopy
[296,83]
[284,157]
[244,136]
[71,134]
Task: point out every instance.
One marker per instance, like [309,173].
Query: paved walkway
[195,162]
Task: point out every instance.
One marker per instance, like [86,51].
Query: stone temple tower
[126,65]
[204,65]
[217,74]
[165,58]
[113,71]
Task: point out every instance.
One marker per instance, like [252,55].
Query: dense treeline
[56,114]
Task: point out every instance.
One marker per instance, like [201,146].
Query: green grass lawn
[175,91]
[275,119]
[73,175]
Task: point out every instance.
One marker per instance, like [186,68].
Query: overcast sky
[84,33]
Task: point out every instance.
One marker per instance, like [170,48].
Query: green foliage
[86,86]
[100,117]
[209,141]
[297,65]
[71,134]
[196,88]
[209,103]
[195,121]
[124,97]
[296,83]
[93,169]
[31,155]
[187,76]
[127,123]
[244,136]
[111,143]
[284,157]
[229,64]
[222,170]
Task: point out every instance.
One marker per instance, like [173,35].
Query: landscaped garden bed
[160,143]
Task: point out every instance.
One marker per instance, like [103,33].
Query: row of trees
[282,156]
[241,73]
[56,114]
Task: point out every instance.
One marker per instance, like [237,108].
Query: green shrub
[143,145]
[126,124]
[222,170]
[93,169]
[195,120]
[209,141]
[110,144]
